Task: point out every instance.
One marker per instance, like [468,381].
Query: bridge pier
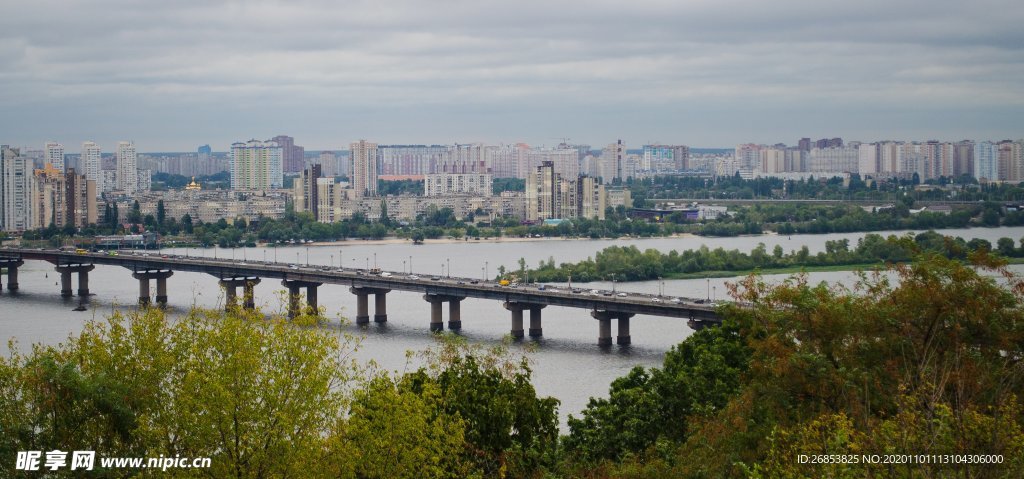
[12,266]
[517,318]
[604,327]
[161,286]
[454,311]
[455,314]
[231,286]
[65,278]
[294,291]
[380,304]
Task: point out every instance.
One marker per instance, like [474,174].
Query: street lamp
[296,257]
[410,264]
[449,262]
[403,266]
[307,256]
[709,287]
[341,263]
[374,260]
[486,271]
[442,269]
[332,260]
[613,282]
[367,263]
[483,274]
[661,286]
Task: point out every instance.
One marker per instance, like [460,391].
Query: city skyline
[170,76]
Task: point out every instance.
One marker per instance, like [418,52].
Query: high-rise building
[293,157]
[256,165]
[867,159]
[613,158]
[549,195]
[364,168]
[440,184]
[986,161]
[81,199]
[328,162]
[48,198]
[127,172]
[15,189]
[804,144]
[306,190]
[54,154]
[663,158]
[91,162]
[410,159]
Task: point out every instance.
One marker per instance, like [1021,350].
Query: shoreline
[502,239]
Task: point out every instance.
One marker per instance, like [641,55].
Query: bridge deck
[622,301]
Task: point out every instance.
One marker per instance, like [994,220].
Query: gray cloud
[709,73]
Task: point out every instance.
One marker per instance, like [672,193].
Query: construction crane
[565,140]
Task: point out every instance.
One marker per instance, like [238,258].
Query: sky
[172,75]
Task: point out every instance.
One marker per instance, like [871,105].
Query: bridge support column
[294,289]
[66,270]
[536,330]
[517,318]
[65,283]
[249,294]
[161,286]
[83,282]
[362,308]
[623,331]
[455,314]
[230,292]
[604,327]
[12,265]
[380,306]
[143,291]
[436,324]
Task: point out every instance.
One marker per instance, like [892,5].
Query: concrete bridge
[604,306]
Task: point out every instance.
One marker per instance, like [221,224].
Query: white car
[622,295]
[413,276]
[656,300]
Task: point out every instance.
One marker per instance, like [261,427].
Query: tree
[256,395]
[161,213]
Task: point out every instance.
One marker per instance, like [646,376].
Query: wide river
[567,362]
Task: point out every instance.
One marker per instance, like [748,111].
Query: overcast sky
[175,74]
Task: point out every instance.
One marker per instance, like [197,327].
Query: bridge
[146,267]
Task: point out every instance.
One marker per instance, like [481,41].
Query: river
[567,362]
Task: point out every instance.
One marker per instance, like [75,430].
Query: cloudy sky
[175,74]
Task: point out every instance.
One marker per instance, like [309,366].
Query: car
[595,292]
[621,295]
[577,291]
[413,276]
[292,266]
[435,278]
[606,293]
[460,282]
[656,300]
[677,300]
[474,282]
[385,274]
[541,288]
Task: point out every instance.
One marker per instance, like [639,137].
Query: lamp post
[483,274]
[613,282]
[403,266]
[448,261]
[296,257]
[410,264]
[332,260]
[442,269]
[275,253]
[307,256]
[709,287]
[486,271]
[367,263]
[264,255]
[661,286]
[341,263]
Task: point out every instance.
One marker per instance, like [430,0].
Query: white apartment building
[54,154]
[90,162]
[256,165]
[127,164]
[439,184]
[15,189]
[364,168]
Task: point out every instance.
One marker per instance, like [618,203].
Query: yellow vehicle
[504,282]
[80,251]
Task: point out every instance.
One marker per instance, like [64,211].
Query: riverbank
[500,239]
